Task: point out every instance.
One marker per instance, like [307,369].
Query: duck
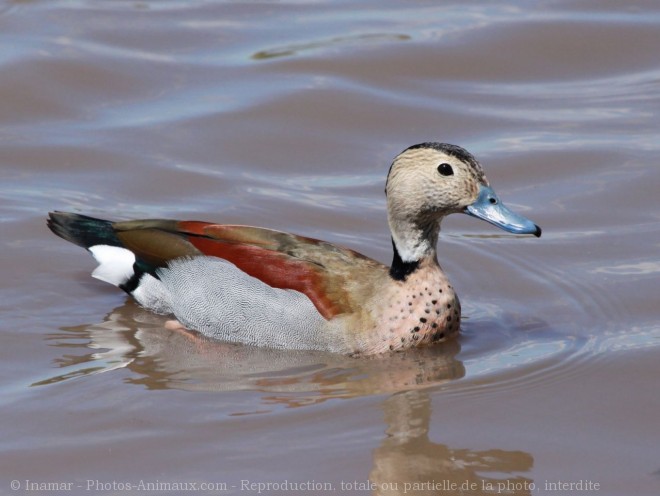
[262,287]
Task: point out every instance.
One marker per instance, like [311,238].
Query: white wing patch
[115,263]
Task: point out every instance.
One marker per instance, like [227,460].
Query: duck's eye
[445,169]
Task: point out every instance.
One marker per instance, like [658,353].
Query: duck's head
[428,181]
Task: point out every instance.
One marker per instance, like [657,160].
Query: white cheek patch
[115,264]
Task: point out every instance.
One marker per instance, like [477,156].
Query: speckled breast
[422,310]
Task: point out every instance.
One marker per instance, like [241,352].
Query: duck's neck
[413,242]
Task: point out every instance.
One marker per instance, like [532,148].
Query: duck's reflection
[406,461]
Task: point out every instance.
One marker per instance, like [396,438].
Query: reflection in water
[408,460]
[162,359]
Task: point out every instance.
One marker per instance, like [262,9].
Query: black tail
[88,231]
[82,230]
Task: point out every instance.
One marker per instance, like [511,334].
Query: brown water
[287,115]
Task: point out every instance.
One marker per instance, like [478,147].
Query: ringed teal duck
[263,287]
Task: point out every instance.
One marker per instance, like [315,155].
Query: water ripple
[340,41]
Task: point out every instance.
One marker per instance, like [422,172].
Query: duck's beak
[488,207]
